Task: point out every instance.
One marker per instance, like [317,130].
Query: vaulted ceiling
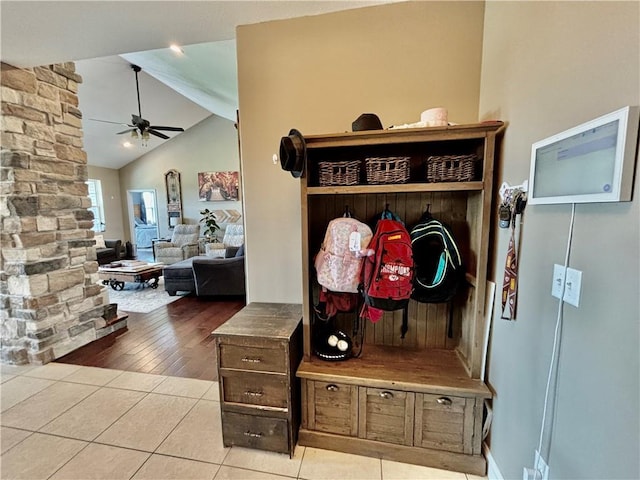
[105,37]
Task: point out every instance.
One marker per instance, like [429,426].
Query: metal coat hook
[514,199]
[507,191]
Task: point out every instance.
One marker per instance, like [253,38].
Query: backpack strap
[405,321]
[451,247]
[358,329]
[389,215]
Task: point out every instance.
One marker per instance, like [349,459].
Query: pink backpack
[339,261]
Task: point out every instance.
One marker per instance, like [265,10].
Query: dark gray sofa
[113,252]
[206,276]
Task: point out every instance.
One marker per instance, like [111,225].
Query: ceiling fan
[140,126]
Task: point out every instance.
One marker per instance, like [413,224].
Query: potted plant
[212,247]
[209,220]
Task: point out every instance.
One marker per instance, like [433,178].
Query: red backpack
[388,273]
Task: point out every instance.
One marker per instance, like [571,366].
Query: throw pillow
[230,252]
[240,252]
[99,241]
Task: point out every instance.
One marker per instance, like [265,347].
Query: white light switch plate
[572,287]
[541,467]
[558,280]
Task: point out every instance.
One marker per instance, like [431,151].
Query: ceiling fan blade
[126,131]
[107,121]
[157,134]
[168,129]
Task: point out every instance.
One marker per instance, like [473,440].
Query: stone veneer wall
[51,301]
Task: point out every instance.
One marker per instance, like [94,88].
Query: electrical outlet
[541,467]
[558,280]
[572,287]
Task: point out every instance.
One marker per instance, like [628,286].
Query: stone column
[51,301]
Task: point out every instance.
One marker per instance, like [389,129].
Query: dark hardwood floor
[172,340]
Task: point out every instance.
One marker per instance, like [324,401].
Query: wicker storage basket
[339,173]
[381,170]
[451,168]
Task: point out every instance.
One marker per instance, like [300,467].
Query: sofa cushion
[205,276]
[182,269]
[179,277]
[171,252]
[230,252]
[219,276]
[105,255]
[99,241]
[111,252]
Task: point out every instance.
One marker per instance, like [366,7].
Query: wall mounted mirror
[174,197]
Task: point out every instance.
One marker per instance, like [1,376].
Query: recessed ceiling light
[176,48]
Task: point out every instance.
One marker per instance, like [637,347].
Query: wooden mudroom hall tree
[419,399]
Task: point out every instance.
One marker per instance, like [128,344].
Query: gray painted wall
[548,66]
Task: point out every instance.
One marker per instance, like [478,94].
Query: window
[97,206]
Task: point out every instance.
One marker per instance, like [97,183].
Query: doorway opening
[143,221]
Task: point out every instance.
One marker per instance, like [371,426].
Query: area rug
[135,297]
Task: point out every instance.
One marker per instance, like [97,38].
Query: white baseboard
[493,472]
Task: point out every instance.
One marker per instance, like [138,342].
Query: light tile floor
[63,421]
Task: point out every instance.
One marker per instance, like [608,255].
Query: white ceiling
[108,92]
[105,37]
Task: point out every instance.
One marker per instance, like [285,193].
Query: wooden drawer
[332,407]
[259,359]
[264,433]
[255,389]
[446,423]
[386,415]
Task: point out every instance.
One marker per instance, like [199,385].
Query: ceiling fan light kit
[139,126]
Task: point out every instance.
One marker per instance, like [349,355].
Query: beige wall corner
[318,74]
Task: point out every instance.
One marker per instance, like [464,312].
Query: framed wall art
[218,186]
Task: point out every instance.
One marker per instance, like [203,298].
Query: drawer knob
[444,401]
[251,359]
[249,393]
[386,395]
[252,434]
[333,388]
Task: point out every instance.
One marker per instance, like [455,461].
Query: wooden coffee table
[146,274]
